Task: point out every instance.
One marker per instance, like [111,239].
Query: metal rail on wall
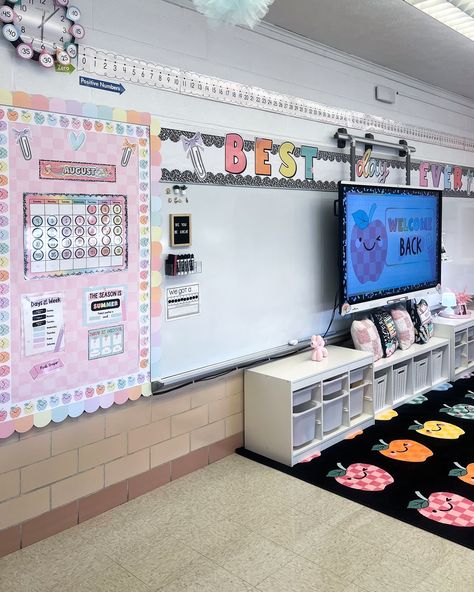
[402,147]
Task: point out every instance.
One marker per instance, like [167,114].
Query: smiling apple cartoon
[446,508]
[438,429]
[362,476]
[404,450]
[368,246]
[466,474]
[460,410]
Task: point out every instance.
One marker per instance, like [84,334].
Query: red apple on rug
[445,508]
[362,476]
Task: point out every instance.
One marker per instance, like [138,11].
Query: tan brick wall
[50,467]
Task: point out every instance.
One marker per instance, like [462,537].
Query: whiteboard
[269,273]
[458,222]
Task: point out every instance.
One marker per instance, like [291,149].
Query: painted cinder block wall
[58,476]
[53,477]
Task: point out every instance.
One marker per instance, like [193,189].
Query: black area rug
[435,494]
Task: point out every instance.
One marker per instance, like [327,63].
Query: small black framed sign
[180,230]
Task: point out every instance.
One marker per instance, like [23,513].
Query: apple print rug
[415,464]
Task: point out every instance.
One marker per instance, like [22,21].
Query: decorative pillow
[404,327]
[387,331]
[365,338]
[422,321]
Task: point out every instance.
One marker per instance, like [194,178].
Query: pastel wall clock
[42,30]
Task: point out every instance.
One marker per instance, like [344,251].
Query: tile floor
[236,526]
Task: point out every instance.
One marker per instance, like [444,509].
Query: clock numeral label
[72,50]
[77,31]
[25,51]
[63,58]
[6,14]
[46,60]
[62,2]
[73,13]
[10,32]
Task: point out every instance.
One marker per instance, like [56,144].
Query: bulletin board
[76,289]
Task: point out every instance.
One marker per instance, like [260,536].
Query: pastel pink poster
[75,244]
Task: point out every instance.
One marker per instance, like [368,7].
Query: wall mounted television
[389,244]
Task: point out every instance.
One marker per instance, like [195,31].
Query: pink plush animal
[319,351]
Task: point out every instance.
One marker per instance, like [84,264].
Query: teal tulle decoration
[234,12]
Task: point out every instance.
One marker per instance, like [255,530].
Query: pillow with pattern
[422,321]
[386,329]
[365,338]
[404,327]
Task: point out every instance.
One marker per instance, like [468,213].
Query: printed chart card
[43,323]
[105,305]
[105,342]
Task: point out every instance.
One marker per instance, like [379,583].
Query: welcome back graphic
[390,246]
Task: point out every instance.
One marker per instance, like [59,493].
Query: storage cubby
[410,372]
[460,332]
[295,407]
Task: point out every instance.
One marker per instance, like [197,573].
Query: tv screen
[390,244]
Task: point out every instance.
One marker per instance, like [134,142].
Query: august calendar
[74,234]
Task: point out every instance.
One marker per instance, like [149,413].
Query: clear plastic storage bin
[304,423]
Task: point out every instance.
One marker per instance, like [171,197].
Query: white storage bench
[295,407]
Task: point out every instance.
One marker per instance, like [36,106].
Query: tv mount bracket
[402,147]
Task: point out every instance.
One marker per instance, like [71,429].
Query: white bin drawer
[437,360]
[357,376]
[304,423]
[380,391]
[421,373]
[333,410]
[400,376]
[333,386]
[302,396]
[356,401]
[458,357]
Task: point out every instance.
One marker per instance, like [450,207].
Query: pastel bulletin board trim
[144,129]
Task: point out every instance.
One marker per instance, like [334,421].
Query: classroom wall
[68,472]
[54,477]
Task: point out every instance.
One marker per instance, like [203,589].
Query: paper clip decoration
[193,148]
[128,149]
[22,138]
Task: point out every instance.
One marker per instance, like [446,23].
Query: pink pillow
[366,338]
[404,326]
